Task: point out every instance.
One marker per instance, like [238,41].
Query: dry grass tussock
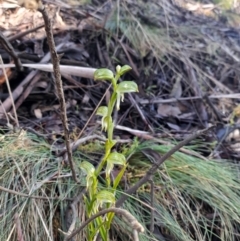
[194,199]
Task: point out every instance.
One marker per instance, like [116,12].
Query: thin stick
[57,74]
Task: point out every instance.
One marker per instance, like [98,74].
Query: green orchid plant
[97,199]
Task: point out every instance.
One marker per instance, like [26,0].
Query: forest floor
[185,60]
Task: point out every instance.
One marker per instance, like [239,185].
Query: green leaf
[105,196]
[119,177]
[91,179]
[124,69]
[102,111]
[103,74]
[102,229]
[127,87]
[87,167]
[116,158]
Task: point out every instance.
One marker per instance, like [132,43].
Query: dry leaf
[18,228]
[177,88]
[168,110]
[38,113]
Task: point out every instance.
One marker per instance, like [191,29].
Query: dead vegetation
[185,57]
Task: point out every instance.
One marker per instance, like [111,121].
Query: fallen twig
[83,72]
[130,219]
[140,112]
[9,49]
[20,35]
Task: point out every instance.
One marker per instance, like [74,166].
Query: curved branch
[132,221]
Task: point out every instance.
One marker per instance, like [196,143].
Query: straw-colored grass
[194,199]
